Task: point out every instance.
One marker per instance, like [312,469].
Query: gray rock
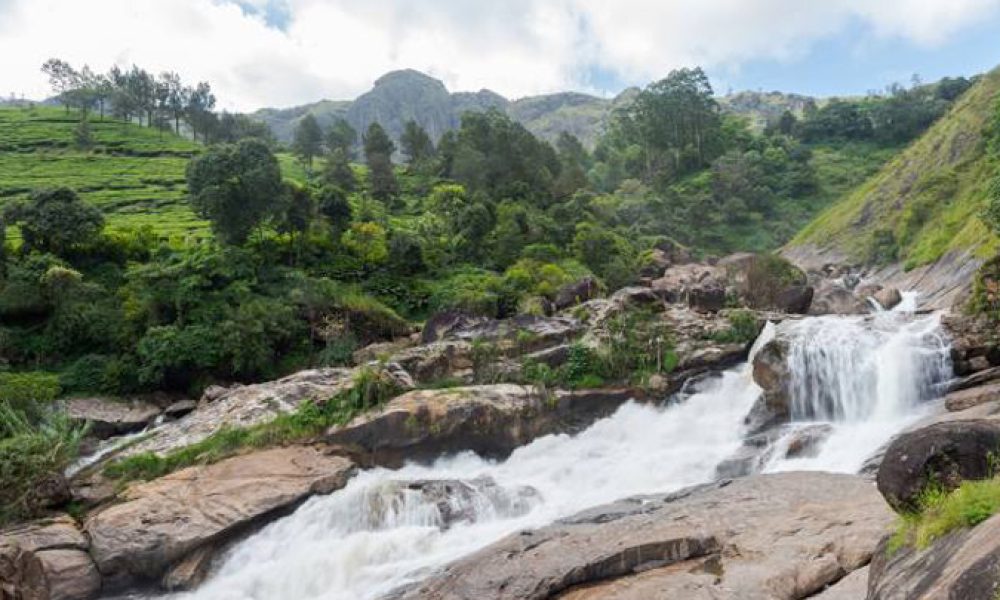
[946,453]
[834,299]
[47,560]
[109,417]
[578,292]
[888,298]
[787,535]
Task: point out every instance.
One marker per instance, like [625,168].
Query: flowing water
[866,377]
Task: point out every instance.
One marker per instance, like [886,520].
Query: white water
[370,538]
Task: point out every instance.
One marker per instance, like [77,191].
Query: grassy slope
[134,174]
[929,196]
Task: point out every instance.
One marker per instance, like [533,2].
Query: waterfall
[389,528]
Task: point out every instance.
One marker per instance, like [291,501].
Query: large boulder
[974,344]
[944,453]
[834,299]
[888,298]
[491,420]
[160,523]
[245,406]
[960,400]
[962,565]
[577,292]
[47,560]
[700,286]
[771,372]
[775,536]
[441,325]
[438,360]
[109,417]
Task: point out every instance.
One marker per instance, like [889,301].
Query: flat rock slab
[963,565]
[972,397]
[160,522]
[108,417]
[491,420]
[244,406]
[770,537]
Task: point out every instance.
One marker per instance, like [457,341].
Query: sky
[258,53]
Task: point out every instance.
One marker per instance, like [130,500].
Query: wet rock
[191,571]
[772,374]
[491,420]
[834,299]
[969,398]
[459,501]
[245,406]
[774,536]
[159,523]
[964,564]
[47,560]
[443,324]
[946,453]
[888,298]
[576,293]
[108,417]
[977,379]
[807,441]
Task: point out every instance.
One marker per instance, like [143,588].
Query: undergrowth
[941,512]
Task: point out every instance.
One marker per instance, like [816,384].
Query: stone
[852,587]
[437,360]
[213,393]
[679,281]
[578,292]
[191,571]
[961,565]
[968,398]
[834,299]
[771,373]
[807,441]
[795,299]
[788,535]
[180,408]
[491,420]
[520,334]
[977,379]
[47,560]
[159,523]
[441,325]
[381,350]
[888,298]
[461,501]
[245,406]
[707,299]
[946,453]
[108,417]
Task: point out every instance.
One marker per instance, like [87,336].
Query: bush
[87,374]
[30,457]
[28,394]
[942,512]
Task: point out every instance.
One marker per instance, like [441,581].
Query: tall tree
[341,136]
[378,155]
[307,140]
[63,78]
[200,102]
[416,145]
[56,220]
[236,187]
[338,171]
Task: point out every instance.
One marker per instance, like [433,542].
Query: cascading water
[388,528]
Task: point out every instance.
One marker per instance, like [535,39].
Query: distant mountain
[400,96]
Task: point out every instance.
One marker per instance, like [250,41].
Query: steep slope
[916,222]
[282,121]
[763,107]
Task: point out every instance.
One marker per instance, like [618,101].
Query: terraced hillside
[923,206]
[134,174]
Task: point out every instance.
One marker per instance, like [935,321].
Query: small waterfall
[857,382]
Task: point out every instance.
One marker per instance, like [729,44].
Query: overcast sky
[284,52]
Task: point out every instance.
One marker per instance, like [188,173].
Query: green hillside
[926,201]
[135,175]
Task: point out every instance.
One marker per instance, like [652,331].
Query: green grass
[942,512]
[928,198]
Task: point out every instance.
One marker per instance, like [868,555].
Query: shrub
[87,374]
[28,394]
[743,328]
[942,512]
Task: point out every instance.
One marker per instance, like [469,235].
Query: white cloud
[336,48]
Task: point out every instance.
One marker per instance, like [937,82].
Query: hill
[135,175]
[403,95]
[918,217]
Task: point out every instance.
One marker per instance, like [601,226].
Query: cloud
[283,52]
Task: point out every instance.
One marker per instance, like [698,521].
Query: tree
[200,102]
[416,145]
[296,214]
[307,140]
[334,205]
[341,136]
[56,220]
[338,172]
[236,187]
[63,79]
[378,155]
[367,241]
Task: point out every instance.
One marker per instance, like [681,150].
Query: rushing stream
[865,376]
